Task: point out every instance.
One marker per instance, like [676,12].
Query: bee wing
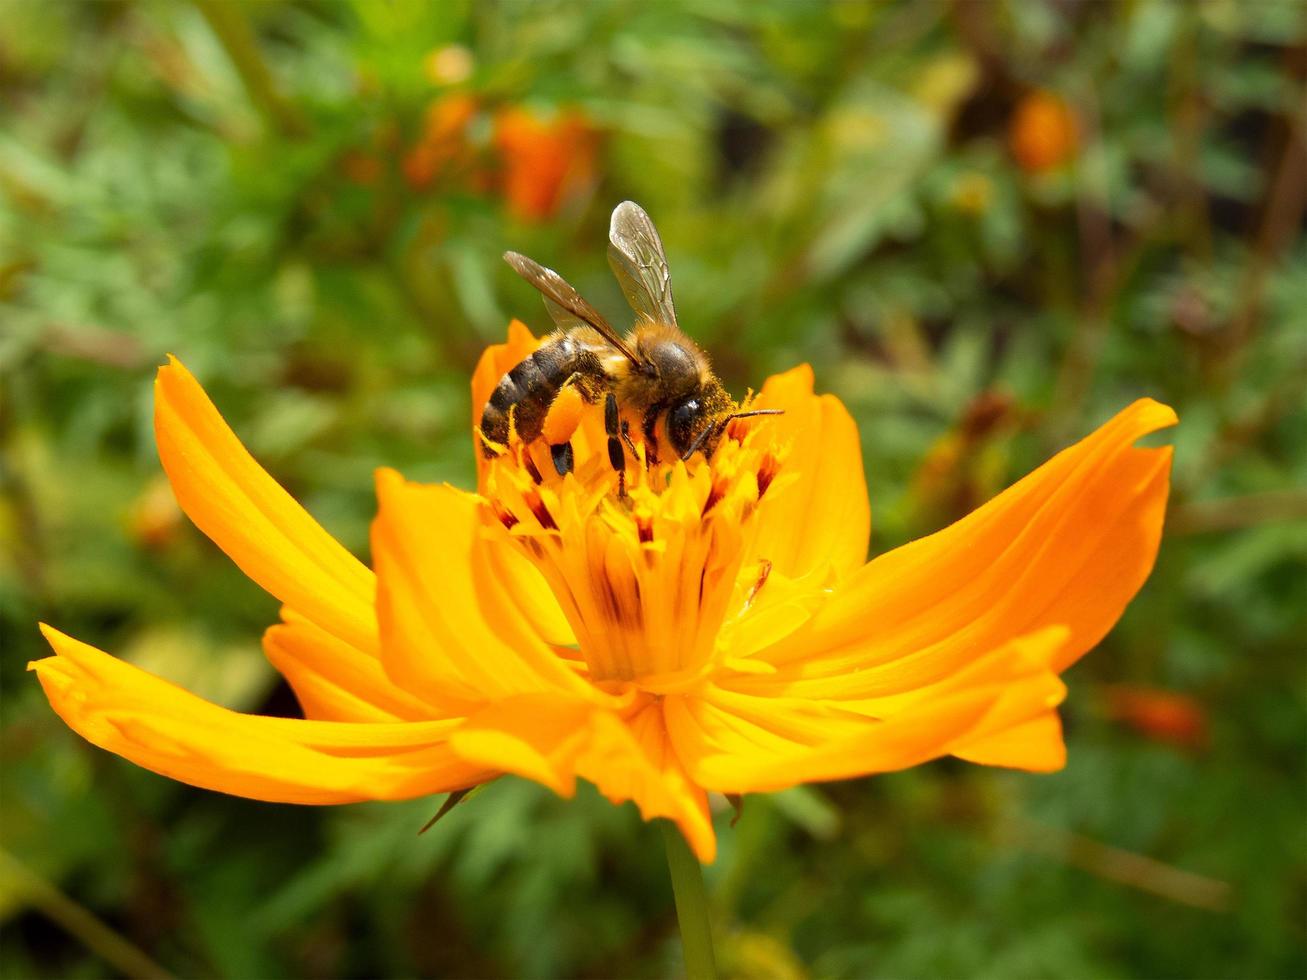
[566,306]
[636,254]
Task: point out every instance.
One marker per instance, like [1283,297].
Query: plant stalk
[691,905]
[230,24]
[96,935]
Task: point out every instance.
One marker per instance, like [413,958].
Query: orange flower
[444,142]
[1161,715]
[545,161]
[713,628]
[1043,133]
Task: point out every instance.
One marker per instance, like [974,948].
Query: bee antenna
[752,412]
[720,426]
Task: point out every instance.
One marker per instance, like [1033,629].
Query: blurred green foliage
[988,226]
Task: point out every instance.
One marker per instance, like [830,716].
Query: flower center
[643,563]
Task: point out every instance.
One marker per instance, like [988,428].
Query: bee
[655,374]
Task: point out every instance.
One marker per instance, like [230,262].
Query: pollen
[645,565]
[564,416]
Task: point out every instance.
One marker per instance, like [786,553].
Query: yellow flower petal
[448,636]
[168,730]
[736,743]
[820,520]
[1069,544]
[627,756]
[504,571]
[1035,744]
[333,680]
[243,510]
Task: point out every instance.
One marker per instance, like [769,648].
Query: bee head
[687,423]
[698,421]
[698,418]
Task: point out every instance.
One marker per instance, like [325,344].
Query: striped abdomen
[530,387]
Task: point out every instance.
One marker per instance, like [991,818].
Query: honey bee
[655,374]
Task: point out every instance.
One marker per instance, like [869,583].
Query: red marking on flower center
[644,526]
[767,472]
[715,494]
[530,465]
[764,570]
[541,512]
[506,518]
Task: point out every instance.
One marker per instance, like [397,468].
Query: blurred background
[987,226]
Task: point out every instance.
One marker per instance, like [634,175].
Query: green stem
[97,936]
[691,905]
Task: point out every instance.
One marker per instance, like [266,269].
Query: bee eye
[682,421]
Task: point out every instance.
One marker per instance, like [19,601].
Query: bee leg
[616,456]
[626,438]
[650,439]
[612,426]
[562,456]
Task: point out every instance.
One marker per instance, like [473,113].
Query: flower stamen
[644,567]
